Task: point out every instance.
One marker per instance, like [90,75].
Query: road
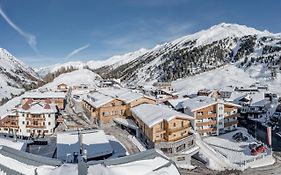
[79,119]
[122,136]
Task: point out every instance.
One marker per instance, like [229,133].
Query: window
[174,124]
[23,122]
[49,123]
[161,125]
[182,124]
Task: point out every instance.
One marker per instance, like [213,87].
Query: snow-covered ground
[228,75]
[238,153]
[75,78]
[215,79]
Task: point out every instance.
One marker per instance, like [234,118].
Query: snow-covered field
[228,75]
[236,152]
[215,79]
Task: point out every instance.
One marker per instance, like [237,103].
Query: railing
[10,126]
[231,116]
[206,130]
[35,118]
[206,116]
[230,123]
[206,123]
[35,126]
[178,129]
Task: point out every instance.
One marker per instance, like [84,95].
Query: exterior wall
[216,119]
[28,123]
[113,109]
[106,113]
[220,117]
[206,120]
[163,131]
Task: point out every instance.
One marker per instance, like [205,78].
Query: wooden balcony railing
[35,126]
[227,124]
[206,123]
[171,130]
[36,118]
[232,116]
[206,116]
[207,130]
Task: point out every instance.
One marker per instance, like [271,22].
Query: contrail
[31,39]
[76,51]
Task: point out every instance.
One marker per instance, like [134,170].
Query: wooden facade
[116,108]
[206,119]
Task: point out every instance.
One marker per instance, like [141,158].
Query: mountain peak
[221,31]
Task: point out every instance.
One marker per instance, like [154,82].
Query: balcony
[10,126]
[207,130]
[35,126]
[230,123]
[36,118]
[231,116]
[159,131]
[214,115]
[206,123]
[172,130]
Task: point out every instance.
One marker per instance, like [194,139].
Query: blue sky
[44,32]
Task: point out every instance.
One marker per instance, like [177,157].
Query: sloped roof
[152,114]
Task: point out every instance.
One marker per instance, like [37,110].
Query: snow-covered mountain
[114,61]
[15,76]
[256,52]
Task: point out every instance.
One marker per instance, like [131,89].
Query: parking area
[238,147]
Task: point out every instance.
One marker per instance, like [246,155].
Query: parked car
[258,150]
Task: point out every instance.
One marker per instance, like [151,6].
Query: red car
[258,150]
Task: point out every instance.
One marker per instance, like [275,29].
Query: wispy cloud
[30,38]
[147,34]
[76,51]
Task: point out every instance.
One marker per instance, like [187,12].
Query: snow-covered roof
[127,122]
[253,97]
[227,89]
[150,162]
[38,108]
[152,114]
[175,103]
[38,94]
[105,95]
[197,102]
[94,141]
[97,99]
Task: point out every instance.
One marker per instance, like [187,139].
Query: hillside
[114,61]
[15,76]
[75,78]
[255,52]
